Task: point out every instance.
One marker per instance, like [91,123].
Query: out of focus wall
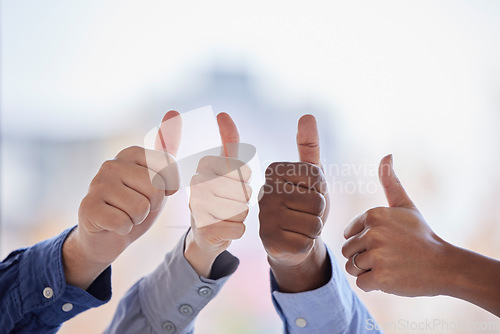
[82,80]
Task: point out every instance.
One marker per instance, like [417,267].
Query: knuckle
[240,212]
[156,180]
[350,269]
[317,226]
[86,203]
[263,197]
[246,210]
[117,221]
[381,278]
[156,202]
[157,196]
[195,180]
[194,202]
[275,247]
[130,151]
[376,258]
[275,169]
[240,232]
[262,233]
[316,173]
[134,149]
[243,208]
[206,162]
[370,237]
[142,208]
[361,284]
[272,167]
[246,171]
[374,215]
[99,187]
[266,231]
[319,204]
[201,185]
[303,169]
[109,166]
[249,191]
[344,249]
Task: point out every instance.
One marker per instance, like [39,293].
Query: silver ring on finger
[354,262]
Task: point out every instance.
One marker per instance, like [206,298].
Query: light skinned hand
[220,193]
[122,203]
[400,254]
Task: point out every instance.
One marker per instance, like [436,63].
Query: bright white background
[81,80]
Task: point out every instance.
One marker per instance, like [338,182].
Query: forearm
[79,269]
[199,259]
[475,278]
[311,274]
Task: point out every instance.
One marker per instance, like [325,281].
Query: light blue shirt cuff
[333,308]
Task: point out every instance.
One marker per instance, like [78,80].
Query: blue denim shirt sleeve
[333,308]
[34,296]
[169,299]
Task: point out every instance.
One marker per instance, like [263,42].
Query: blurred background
[81,80]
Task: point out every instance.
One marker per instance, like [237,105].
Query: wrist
[312,273]
[463,272]
[80,269]
[473,277]
[199,258]
[445,274]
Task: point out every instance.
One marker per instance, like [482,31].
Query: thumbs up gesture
[392,248]
[293,208]
[122,203]
[219,201]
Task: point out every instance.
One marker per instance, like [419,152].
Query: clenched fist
[292,211]
[294,205]
[122,202]
[219,201]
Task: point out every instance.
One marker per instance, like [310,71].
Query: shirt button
[205,291]
[67,307]
[168,327]
[186,309]
[48,292]
[301,322]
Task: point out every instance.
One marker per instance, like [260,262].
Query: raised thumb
[308,140]
[168,138]
[229,135]
[394,191]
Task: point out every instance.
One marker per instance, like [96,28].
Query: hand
[395,244]
[400,254]
[219,201]
[294,205]
[122,203]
